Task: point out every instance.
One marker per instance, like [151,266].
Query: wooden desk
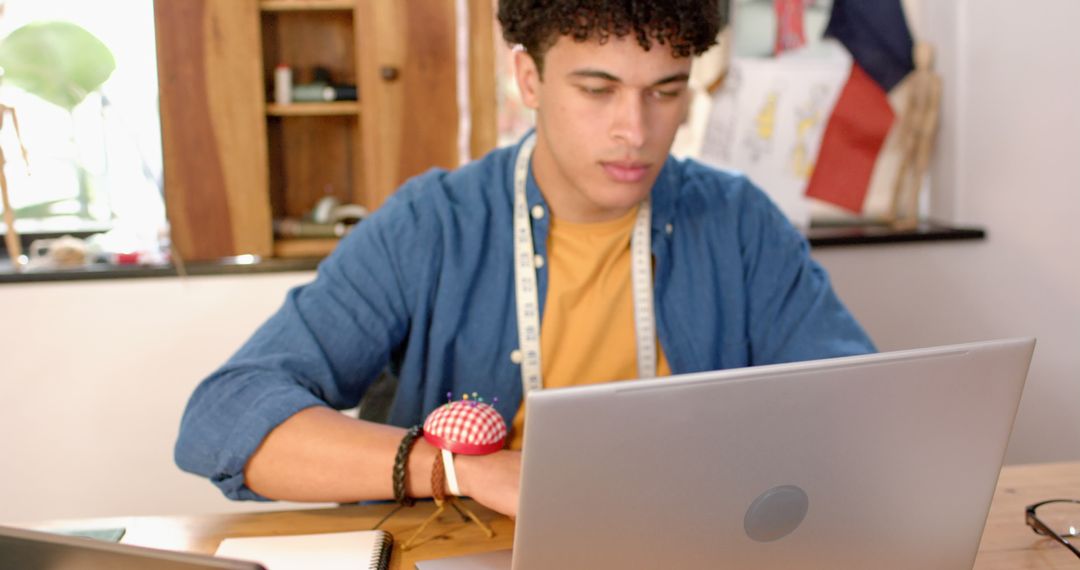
[1007,542]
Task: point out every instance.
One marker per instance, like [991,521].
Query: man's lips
[625,171]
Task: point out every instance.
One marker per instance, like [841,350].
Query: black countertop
[834,235]
[819,236]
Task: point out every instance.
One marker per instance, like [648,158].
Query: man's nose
[628,124]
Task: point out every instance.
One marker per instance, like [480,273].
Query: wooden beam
[213,127]
[483,104]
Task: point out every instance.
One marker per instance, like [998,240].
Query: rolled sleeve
[253,412]
[326,344]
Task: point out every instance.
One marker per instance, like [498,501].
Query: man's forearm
[321,455]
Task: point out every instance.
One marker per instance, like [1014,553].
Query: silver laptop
[36,550]
[880,461]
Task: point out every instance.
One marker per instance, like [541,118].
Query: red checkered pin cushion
[466,426]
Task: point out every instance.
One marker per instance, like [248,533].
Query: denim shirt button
[538,261]
[537,212]
[515,356]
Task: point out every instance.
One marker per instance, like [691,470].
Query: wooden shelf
[257,161]
[296,5]
[313,109]
[829,235]
[306,247]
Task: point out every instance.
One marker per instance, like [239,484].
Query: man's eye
[666,93]
[596,90]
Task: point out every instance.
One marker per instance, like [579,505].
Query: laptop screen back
[35,550]
[879,461]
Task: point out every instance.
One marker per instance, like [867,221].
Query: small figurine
[918,126]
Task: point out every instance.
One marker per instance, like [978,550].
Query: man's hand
[492,480]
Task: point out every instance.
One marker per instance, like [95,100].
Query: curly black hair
[689,27]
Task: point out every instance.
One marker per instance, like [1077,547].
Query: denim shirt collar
[662,197]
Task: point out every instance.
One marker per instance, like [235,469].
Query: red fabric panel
[789,25]
[853,138]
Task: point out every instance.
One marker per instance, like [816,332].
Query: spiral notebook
[351,550]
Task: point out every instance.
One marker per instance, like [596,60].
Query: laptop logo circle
[776,513]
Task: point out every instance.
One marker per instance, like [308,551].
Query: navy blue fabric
[426,287]
[877,35]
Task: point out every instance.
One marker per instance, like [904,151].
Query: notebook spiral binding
[380,555]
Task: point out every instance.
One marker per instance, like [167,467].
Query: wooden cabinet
[235,160]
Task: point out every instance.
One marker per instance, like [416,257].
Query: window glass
[93,159]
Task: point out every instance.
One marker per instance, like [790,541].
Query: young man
[442,284]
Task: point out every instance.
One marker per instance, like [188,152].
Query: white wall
[93,380]
[94,375]
[1008,159]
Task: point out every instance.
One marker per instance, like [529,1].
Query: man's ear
[528,78]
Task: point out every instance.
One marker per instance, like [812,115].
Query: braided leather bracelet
[400,464]
[438,479]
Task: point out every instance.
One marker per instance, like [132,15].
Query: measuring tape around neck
[525,286]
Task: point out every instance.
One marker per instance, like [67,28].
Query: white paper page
[768,119]
[327,551]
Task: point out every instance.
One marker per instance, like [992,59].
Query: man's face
[606,117]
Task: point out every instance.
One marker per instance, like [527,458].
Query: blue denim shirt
[425,286]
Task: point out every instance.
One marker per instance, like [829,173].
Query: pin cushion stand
[466,427]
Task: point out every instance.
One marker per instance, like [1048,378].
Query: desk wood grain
[203,533]
[1007,543]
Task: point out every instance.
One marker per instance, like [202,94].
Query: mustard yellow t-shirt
[587,334]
